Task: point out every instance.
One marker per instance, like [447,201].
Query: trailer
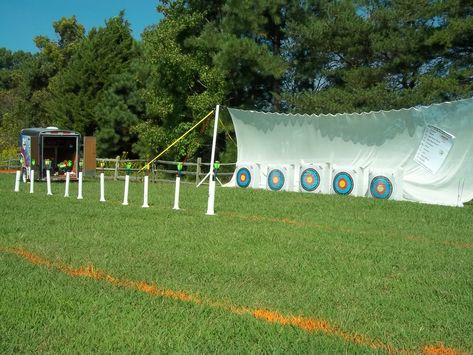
[55,149]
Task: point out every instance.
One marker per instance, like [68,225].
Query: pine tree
[86,91]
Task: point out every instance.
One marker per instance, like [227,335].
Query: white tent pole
[17,181]
[48,181]
[125,193]
[32,181]
[203,180]
[102,187]
[79,188]
[176,193]
[66,188]
[145,192]
[211,200]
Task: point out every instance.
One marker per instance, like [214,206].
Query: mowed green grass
[395,272]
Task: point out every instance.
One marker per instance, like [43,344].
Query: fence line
[160,170]
[10,164]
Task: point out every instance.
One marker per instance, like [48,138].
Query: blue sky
[22,20]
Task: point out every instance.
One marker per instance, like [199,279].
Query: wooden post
[197,171]
[117,166]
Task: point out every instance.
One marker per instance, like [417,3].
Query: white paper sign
[434,148]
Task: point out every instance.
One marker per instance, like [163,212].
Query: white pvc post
[79,188]
[66,188]
[102,187]
[31,181]
[176,193]
[48,181]
[145,193]
[25,173]
[125,193]
[211,200]
[17,180]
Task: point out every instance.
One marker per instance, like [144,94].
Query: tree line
[304,56]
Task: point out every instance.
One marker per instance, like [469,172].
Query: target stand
[247,175]
[345,181]
[383,185]
[278,178]
[311,178]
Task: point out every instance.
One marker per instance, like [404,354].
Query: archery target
[276,179]
[310,179]
[246,175]
[381,187]
[243,177]
[343,183]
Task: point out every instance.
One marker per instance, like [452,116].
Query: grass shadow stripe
[327,228]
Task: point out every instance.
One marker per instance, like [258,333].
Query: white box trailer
[58,146]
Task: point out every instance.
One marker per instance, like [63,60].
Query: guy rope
[178,140]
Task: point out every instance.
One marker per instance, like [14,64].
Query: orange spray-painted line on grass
[91,272]
[303,323]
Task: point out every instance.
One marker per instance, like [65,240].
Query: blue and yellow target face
[243,177]
[276,180]
[381,187]
[310,179]
[343,183]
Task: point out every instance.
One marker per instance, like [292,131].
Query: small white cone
[17,181]
[102,187]
[48,181]
[145,193]
[125,193]
[176,193]
[79,189]
[31,181]
[66,189]
[211,200]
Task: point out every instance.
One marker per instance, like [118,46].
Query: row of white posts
[102,187]
[212,177]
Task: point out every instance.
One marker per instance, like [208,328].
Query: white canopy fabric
[428,149]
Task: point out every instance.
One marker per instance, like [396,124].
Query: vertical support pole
[79,188]
[48,181]
[17,180]
[176,193]
[117,166]
[211,200]
[145,192]
[198,171]
[32,181]
[66,188]
[125,193]
[102,187]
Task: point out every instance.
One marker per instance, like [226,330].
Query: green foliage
[366,56]
[70,34]
[8,153]
[277,55]
[97,93]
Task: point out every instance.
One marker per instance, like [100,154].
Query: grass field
[270,272]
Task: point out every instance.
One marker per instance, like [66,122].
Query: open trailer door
[90,156]
[61,148]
